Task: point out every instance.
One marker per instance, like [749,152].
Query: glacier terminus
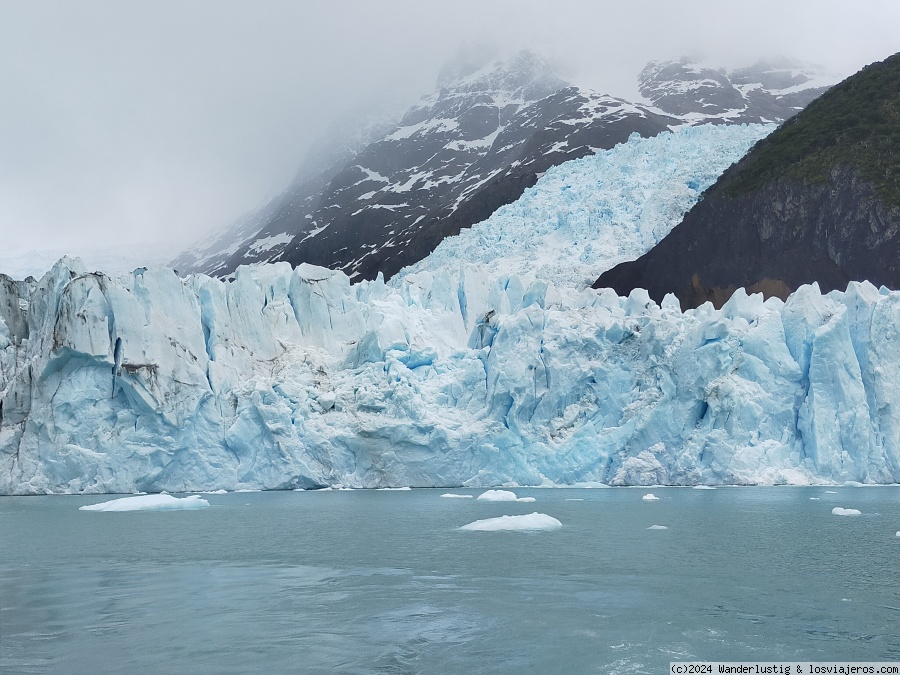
[455,373]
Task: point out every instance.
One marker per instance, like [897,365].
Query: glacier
[587,215]
[455,376]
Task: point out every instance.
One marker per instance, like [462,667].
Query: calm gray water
[384,582]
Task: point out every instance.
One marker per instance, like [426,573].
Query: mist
[132,129]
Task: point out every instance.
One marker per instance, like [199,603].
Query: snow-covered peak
[506,84]
[766,91]
[528,74]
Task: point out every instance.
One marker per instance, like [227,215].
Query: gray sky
[126,122]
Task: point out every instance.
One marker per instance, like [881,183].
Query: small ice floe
[830,492]
[838,511]
[704,487]
[650,497]
[574,499]
[657,527]
[502,496]
[815,499]
[160,502]
[898,534]
[532,521]
[846,600]
[215,492]
[450,495]
[406,487]
[248,490]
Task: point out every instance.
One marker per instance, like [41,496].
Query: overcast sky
[126,122]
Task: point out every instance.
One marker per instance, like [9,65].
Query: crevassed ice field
[505,371]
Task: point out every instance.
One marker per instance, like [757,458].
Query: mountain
[341,142]
[816,201]
[769,91]
[484,136]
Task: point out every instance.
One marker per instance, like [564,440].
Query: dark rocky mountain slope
[817,200]
[475,144]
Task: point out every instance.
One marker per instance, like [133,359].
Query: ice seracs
[587,215]
[296,378]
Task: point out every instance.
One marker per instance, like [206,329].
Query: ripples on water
[384,582]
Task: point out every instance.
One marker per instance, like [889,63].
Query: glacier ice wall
[500,372]
[296,378]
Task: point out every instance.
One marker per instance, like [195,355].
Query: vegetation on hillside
[856,123]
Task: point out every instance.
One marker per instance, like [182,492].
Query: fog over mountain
[131,128]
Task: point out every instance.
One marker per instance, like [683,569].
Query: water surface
[384,582]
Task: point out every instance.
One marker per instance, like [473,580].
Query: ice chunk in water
[149,503]
[650,497]
[532,521]
[502,496]
[838,511]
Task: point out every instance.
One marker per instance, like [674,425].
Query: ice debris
[532,521]
[650,497]
[838,511]
[657,527]
[158,502]
[502,496]
[451,495]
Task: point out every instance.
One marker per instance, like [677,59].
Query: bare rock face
[783,236]
[817,201]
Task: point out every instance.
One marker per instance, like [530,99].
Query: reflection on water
[384,582]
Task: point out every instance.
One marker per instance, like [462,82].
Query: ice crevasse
[457,376]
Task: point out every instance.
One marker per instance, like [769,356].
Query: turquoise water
[384,582]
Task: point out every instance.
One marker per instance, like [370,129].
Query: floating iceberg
[838,511]
[450,495]
[532,521]
[150,503]
[657,527]
[650,497]
[502,496]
